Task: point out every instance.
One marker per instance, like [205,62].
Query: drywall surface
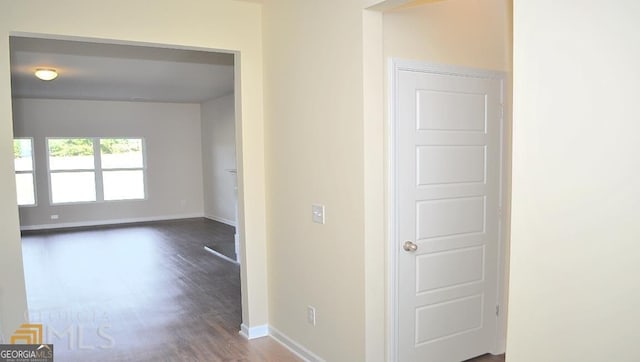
[575,252]
[171,134]
[375,192]
[314,136]
[202,24]
[219,158]
[472,33]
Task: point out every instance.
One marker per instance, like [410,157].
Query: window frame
[143,168]
[50,171]
[32,172]
[97,170]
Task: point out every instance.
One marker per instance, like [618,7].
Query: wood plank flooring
[139,293]
[221,239]
[488,358]
[147,292]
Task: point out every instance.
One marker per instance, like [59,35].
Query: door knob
[410,246]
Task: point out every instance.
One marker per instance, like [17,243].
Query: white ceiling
[118,72]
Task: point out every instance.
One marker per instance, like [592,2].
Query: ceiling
[118,72]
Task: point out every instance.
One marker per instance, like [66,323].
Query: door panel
[450,164]
[446,319]
[451,216]
[450,110]
[449,268]
[448,145]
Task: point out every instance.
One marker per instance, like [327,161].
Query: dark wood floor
[142,293]
[139,293]
[488,358]
[220,238]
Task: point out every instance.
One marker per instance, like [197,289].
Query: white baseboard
[254,332]
[222,220]
[294,346]
[108,222]
[220,255]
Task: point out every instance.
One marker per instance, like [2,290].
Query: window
[122,168]
[23,163]
[72,168]
[94,169]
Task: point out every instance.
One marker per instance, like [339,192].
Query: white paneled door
[447,149]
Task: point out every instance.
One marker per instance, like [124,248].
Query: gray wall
[218,156]
[173,157]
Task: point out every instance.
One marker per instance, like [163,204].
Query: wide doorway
[124,135]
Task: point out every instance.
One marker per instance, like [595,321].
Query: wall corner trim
[221,219]
[254,332]
[294,346]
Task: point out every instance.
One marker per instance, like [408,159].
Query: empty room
[127,192]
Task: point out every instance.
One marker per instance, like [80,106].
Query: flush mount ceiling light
[46,74]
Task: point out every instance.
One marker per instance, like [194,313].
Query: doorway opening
[158,120]
[422,32]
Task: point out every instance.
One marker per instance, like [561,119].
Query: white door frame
[394,66]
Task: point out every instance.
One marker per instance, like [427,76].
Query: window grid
[20,191]
[97,172]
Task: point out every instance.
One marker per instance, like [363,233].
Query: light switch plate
[317,213]
[311,315]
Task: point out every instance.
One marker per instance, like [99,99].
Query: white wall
[375,213]
[171,133]
[315,153]
[325,144]
[471,33]
[219,156]
[575,257]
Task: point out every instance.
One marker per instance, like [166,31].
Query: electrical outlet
[311,315]
[54,217]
